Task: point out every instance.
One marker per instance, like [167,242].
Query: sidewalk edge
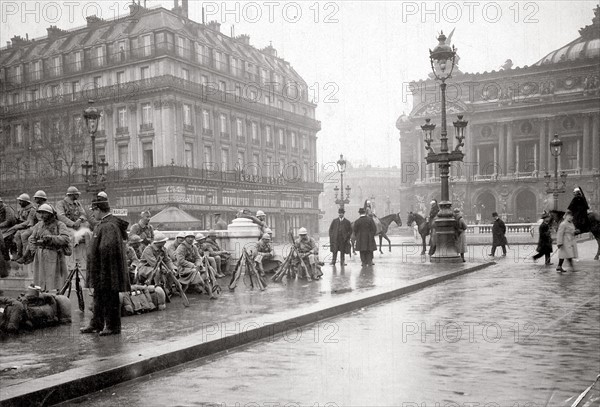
[70,388]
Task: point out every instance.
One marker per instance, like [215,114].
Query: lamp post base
[445,236]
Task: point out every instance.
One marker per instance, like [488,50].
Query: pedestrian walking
[498,235]
[364,231]
[340,232]
[461,235]
[50,241]
[107,269]
[544,247]
[565,240]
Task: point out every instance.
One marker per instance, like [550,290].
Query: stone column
[420,156]
[510,158]
[478,161]
[587,151]
[502,148]
[550,164]
[543,165]
[595,143]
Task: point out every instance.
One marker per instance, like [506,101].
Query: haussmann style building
[191,118]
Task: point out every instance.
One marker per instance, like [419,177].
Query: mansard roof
[100,31]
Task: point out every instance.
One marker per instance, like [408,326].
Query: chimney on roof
[184,6]
[270,50]
[93,20]
[18,41]
[53,31]
[135,9]
[243,38]
[214,25]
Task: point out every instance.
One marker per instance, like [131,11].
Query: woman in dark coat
[544,247]
[107,269]
[364,230]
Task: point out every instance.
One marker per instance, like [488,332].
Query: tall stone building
[513,115]
[190,117]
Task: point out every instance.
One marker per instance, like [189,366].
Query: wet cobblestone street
[515,334]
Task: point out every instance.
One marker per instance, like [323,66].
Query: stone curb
[69,385]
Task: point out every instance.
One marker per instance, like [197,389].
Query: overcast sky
[355,55]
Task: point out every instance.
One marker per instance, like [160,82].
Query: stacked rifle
[288,269]
[245,265]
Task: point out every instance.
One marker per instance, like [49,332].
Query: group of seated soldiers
[188,257]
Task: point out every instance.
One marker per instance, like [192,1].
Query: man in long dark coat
[498,235]
[579,207]
[107,269]
[340,232]
[544,247]
[364,231]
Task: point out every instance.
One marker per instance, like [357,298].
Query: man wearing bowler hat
[340,231]
[498,235]
[364,230]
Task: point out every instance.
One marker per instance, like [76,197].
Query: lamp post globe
[341,165]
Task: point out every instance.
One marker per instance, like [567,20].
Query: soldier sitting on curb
[308,252]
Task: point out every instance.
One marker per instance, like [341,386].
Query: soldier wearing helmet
[49,240]
[143,229]
[7,220]
[152,256]
[220,224]
[23,212]
[189,265]
[133,256]
[173,247]
[24,254]
[266,260]
[200,246]
[307,251]
[70,211]
[213,249]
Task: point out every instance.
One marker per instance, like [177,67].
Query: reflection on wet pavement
[53,350]
[511,335]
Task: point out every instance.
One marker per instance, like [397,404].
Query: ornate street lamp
[94,185]
[555,149]
[341,164]
[443,60]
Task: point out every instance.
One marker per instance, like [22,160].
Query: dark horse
[422,225]
[594,219]
[386,221]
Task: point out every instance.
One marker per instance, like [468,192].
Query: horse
[386,221]
[422,225]
[594,219]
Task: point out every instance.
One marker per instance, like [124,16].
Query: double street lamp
[443,61]
[96,181]
[341,164]
[555,149]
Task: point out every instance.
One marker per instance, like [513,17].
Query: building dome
[584,47]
